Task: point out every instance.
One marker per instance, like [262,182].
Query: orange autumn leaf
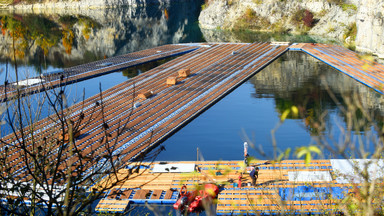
[166,14]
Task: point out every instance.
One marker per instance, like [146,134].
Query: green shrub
[336,2]
[331,28]
[249,14]
[351,31]
[250,20]
[6,2]
[204,6]
[297,17]
[346,7]
[322,13]
[279,27]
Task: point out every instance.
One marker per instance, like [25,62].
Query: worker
[254,174]
[239,182]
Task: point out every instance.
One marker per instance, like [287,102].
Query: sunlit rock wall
[370,27]
[223,14]
[333,21]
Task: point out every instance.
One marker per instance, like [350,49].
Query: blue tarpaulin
[307,193]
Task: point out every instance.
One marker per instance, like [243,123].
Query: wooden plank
[113,193]
[137,194]
[126,194]
[111,208]
[156,194]
[141,194]
[168,194]
[105,202]
[157,187]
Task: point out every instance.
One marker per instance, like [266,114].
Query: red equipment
[193,201]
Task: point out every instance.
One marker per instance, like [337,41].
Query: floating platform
[290,186]
[359,67]
[215,70]
[82,72]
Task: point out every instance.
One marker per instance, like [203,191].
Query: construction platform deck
[215,70]
[153,109]
[82,72]
[290,186]
[360,68]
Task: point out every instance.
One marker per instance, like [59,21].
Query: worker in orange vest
[239,182]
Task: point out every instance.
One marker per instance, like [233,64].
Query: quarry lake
[253,112]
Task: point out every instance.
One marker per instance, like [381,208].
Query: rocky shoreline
[359,23]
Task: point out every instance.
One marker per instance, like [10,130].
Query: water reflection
[134,71]
[48,42]
[250,36]
[313,87]
[254,109]
[64,40]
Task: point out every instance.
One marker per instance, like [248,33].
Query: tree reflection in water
[64,40]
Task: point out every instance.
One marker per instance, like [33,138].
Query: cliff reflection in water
[64,40]
[297,79]
[254,109]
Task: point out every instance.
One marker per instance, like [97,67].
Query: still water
[250,113]
[253,110]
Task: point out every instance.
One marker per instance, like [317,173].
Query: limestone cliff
[359,22]
[370,27]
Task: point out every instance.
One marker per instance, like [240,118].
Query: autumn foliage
[44,32]
[308,18]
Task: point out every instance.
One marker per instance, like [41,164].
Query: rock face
[370,27]
[331,20]
[222,14]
